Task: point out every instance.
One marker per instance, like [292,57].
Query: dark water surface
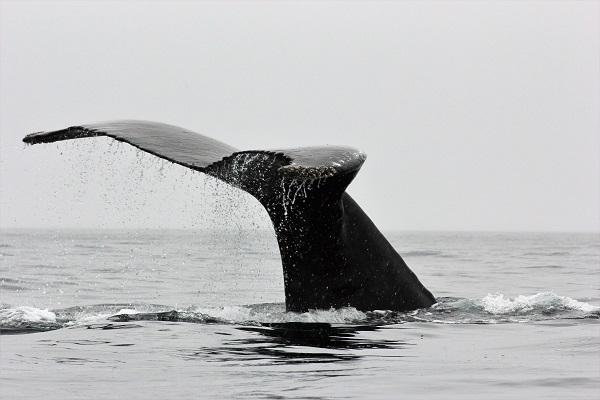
[199,314]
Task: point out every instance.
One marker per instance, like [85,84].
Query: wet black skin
[332,254]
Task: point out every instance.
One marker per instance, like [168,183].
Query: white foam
[238,314]
[88,319]
[127,311]
[26,314]
[228,313]
[572,304]
[548,301]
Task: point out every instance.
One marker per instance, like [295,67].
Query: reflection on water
[321,335]
[298,342]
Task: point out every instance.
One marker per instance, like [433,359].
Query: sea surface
[199,314]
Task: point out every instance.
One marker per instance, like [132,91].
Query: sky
[473,115]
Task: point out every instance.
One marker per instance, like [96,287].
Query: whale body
[332,254]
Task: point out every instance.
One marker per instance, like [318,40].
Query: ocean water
[157,314]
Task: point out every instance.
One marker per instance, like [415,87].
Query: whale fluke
[332,254]
[162,140]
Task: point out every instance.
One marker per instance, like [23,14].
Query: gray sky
[474,115]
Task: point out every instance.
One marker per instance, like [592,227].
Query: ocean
[199,314]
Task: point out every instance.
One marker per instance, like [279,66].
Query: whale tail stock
[332,254]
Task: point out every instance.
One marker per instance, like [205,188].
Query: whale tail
[332,253]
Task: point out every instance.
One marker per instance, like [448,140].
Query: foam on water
[25,314]
[490,309]
[128,311]
[275,313]
[541,302]
[27,319]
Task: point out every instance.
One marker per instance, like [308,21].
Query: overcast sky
[473,115]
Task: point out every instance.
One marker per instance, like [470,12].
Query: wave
[427,253]
[490,309]
[544,267]
[495,308]
[544,303]
[27,319]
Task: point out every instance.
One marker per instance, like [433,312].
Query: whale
[332,253]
